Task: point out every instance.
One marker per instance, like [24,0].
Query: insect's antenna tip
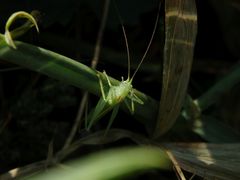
[128,53]
[150,42]
[125,37]
[127,47]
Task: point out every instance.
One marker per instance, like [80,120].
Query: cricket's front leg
[108,80]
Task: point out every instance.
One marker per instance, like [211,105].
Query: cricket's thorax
[118,93]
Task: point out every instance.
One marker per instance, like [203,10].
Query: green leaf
[110,164]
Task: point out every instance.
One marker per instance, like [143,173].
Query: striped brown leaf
[180,34]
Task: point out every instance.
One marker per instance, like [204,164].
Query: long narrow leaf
[111,164]
[181,29]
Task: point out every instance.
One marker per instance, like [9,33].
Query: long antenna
[149,44]
[125,38]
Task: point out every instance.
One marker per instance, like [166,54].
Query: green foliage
[36,112]
[110,164]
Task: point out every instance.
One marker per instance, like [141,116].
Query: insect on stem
[123,92]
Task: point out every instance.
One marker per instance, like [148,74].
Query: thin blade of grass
[99,138]
[217,90]
[180,31]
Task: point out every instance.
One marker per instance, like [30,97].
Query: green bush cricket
[123,92]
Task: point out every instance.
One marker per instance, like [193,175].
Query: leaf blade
[181,29]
